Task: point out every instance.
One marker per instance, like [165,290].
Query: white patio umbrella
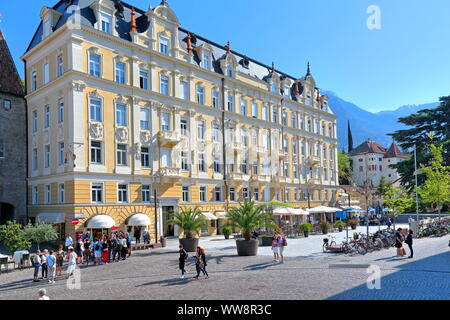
[323,209]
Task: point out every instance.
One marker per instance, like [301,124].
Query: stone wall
[13,165]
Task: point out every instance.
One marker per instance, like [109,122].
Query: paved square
[154,275]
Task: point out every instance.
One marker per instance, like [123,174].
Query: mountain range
[367,125]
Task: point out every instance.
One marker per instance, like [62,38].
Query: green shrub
[227,230]
[340,224]
[305,227]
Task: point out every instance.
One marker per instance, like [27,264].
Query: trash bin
[163,242]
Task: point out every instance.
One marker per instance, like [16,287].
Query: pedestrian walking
[409,242]
[44,267]
[51,265]
[37,265]
[275,249]
[69,241]
[282,243]
[117,248]
[42,295]
[137,235]
[182,260]
[399,242]
[389,223]
[200,262]
[72,258]
[60,254]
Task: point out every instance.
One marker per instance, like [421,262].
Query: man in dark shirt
[409,242]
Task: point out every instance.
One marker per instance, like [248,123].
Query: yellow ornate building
[124,104]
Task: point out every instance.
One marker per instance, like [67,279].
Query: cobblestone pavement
[154,275]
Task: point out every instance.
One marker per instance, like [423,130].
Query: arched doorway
[6,212]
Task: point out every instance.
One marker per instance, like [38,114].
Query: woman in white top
[72,257]
[281,243]
[275,249]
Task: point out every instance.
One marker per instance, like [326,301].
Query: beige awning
[101,222]
[139,220]
[221,214]
[209,216]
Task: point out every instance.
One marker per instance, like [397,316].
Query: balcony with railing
[169,138]
[263,177]
[313,160]
[170,172]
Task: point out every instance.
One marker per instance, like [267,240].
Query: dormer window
[105,22]
[206,61]
[230,71]
[47,27]
[164,45]
[274,88]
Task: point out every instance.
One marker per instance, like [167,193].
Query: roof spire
[228,47]
[189,43]
[273,67]
[308,72]
[133,21]
[164,3]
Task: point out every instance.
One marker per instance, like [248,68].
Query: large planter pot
[306,234]
[247,247]
[227,236]
[265,241]
[341,229]
[190,245]
[353,227]
[325,231]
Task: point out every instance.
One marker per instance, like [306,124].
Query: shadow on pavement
[260,266]
[425,279]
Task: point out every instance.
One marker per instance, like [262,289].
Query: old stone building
[13,145]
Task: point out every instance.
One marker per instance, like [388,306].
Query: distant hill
[366,124]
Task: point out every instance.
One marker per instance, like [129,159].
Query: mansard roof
[245,65]
[10,81]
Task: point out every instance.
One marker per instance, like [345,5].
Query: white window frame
[98,188]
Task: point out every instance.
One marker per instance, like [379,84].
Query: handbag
[404,251]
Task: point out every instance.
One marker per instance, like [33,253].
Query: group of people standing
[50,263]
[200,262]
[399,239]
[279,242]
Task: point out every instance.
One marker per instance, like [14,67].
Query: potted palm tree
[306,228]
[227,231]
[340,225]
[325,226]
[248,217]
[190,221]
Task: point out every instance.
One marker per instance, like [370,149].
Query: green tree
[434,121]
[345,169]
[40,232]
[435,192]
[383,188]
[190,221]
[398,201]
[13,237]
[249,217]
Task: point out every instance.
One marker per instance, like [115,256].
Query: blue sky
[406,62]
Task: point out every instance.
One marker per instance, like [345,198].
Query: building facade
[371,162]
[124,104]
[13,145]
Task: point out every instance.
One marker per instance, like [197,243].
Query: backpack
[97,247]
[285,242]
